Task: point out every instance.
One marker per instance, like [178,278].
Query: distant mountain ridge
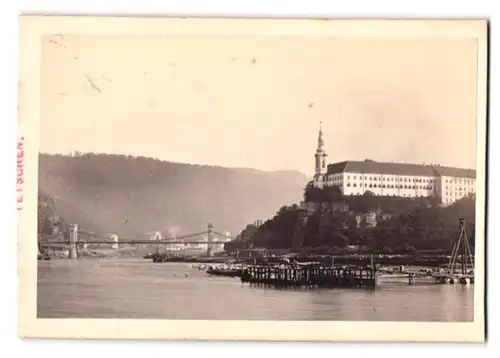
[132,196]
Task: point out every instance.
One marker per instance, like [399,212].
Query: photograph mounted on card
[252,179]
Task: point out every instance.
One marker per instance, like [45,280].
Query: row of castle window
[397,179]
[460,188]
[416,180]
[391,186]
[455,194]
[446,188]
[375,186]
[404,194]
[457,187]
[460,192]
[460,181]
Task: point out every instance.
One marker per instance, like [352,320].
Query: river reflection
[136,288]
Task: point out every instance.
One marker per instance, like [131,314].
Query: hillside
[131,196]
[375,223]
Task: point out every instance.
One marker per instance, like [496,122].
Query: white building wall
[387,184]
[455,188]
[449,189]
[442,190]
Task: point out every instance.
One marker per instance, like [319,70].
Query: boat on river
[227,271]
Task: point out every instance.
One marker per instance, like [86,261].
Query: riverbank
[434,261]
[385,260]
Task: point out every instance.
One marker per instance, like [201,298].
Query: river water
[138,288]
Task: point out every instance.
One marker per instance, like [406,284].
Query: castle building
[393,179]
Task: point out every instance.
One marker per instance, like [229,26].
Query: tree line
[130,196]
[50,224]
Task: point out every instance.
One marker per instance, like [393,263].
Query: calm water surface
[137,288]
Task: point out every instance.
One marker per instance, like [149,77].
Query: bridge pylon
[73,239]
[209,240]
[114,239]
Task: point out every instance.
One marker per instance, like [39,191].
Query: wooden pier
[311,276]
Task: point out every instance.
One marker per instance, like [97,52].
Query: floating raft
[421,278]
[311,276]
[453,279]
[159,258]
[43,257]
[227,272]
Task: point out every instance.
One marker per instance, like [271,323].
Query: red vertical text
[20,173]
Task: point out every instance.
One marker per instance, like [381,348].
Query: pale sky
[256,101]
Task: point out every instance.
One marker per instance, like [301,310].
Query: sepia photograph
[237,170]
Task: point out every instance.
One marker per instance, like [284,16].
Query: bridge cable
[223,235]
[163,239]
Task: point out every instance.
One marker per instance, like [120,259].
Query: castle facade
[393,179]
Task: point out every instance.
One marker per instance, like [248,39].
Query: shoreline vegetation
[329,223]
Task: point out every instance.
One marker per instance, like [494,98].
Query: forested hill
[131,196]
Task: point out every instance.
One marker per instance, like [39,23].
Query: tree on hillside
[312,229]
[50,224]
[311,193]
[414,224]
[327,194]
[334,237]
[277,232]
[286,208]
[247,233]
[331,193]
[235,245]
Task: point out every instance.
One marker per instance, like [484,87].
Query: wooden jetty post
[411,279]
[73,239]
[373,272]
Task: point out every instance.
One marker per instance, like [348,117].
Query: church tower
[320,162]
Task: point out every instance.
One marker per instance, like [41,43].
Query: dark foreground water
[137,288]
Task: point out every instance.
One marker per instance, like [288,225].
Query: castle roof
[372,167]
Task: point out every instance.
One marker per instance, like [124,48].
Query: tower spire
[320,159]
[320,137]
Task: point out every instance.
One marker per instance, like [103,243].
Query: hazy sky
[256,101]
